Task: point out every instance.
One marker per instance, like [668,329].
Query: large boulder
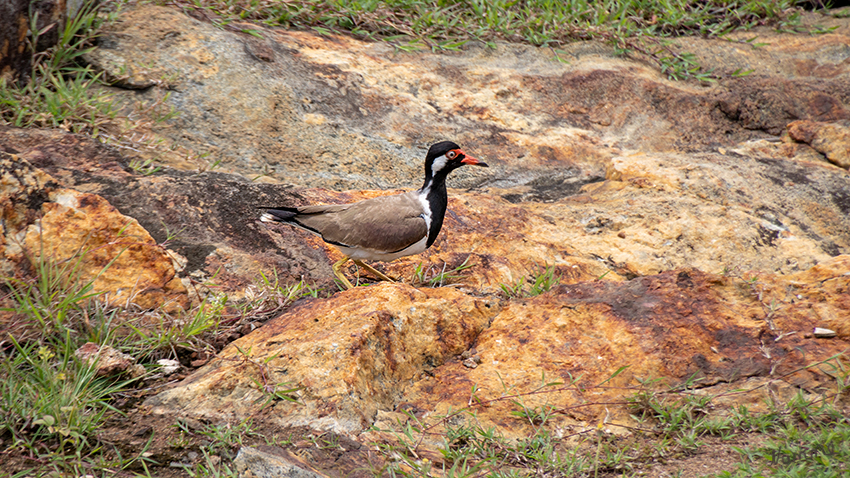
[367,353]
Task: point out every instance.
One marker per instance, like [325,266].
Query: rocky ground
[700,232]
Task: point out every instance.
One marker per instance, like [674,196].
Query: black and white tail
[279,214]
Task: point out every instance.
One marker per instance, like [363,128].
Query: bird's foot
[337,268]
[380,275]
[338,273]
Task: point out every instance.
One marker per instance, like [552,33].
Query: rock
[750,209]
[830,139]
[582,335]
[169,366]
[83,233]
[109,361]
[587,176]
[24,190]
[368,351]
[704,210]
[129,267]
[692,239]
[207,218]
[335,112]
[272,463]
[351,355]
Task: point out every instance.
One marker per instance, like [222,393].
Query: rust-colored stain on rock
[679,325]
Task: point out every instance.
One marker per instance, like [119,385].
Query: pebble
[168,366]
[824,333]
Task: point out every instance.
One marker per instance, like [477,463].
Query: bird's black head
[446,156]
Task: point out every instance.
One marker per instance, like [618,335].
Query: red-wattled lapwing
[387,227]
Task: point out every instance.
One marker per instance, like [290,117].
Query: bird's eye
[451,155]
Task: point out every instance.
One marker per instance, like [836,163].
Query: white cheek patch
[439,163]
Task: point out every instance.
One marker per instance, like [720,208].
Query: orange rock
[353,354]
[830,139]
[100,245]
[578,351]
[678,325]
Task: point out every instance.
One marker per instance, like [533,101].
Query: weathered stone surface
[44,221]
[656,212]
[272,464]
[353,354]
[747,208]
[677,325]
[390,348]
[830,139]
[334,112]
[24,189]
[587,208]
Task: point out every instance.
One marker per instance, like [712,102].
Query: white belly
[371,255]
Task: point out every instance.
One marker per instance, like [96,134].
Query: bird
[383,228]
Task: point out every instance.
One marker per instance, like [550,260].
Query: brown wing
[386,223]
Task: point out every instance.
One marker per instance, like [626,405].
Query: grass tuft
[541,281]
[439,277]
[59,92]
[52,400]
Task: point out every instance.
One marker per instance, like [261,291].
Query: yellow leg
[380,275]
[338,272]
